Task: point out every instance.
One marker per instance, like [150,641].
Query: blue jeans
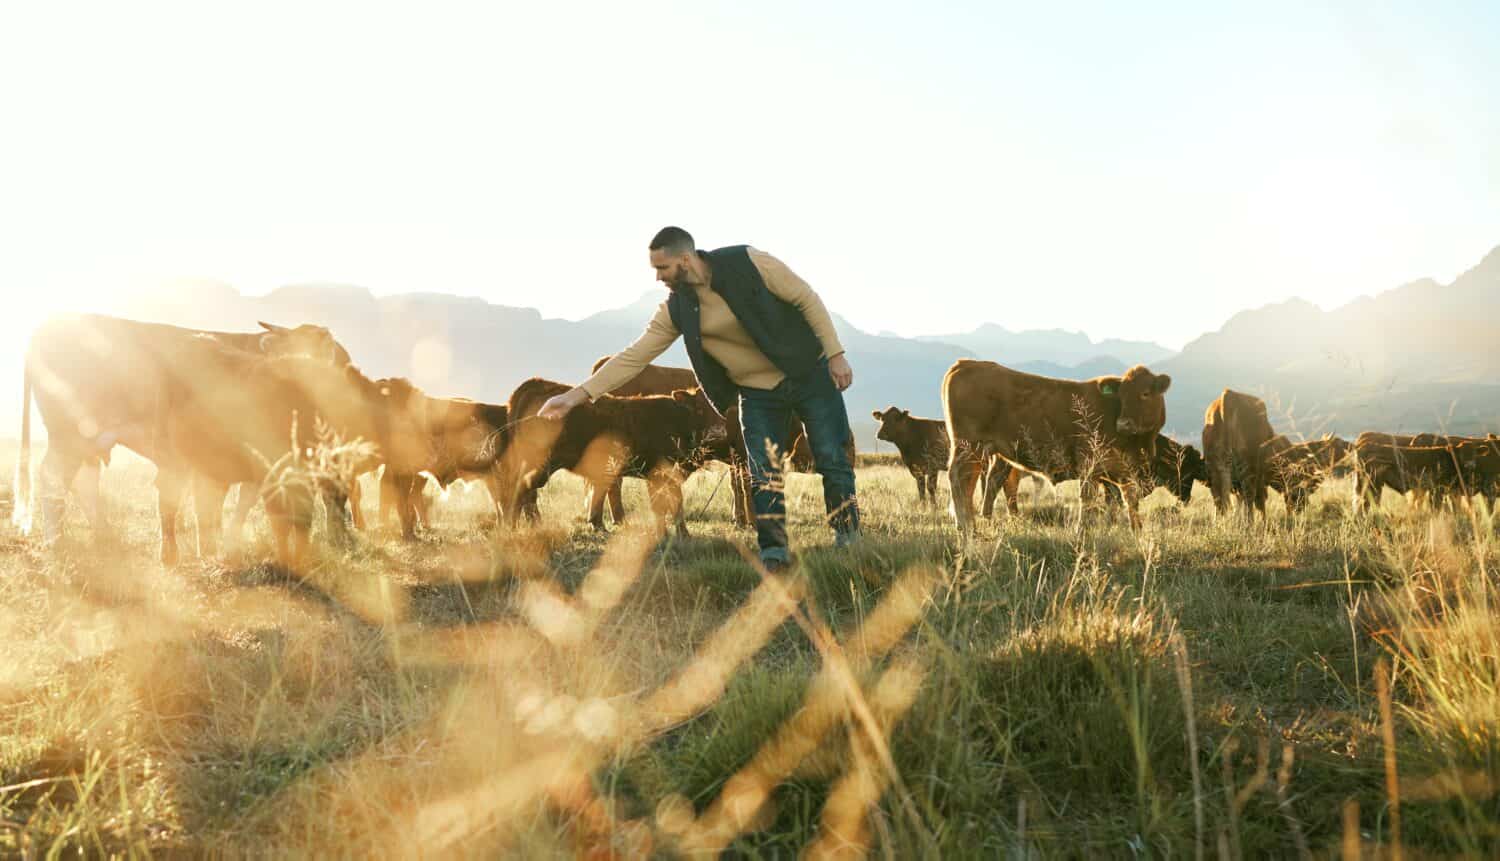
[767,419]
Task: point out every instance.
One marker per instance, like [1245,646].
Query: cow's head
[1142,409]
[305,340]
[1479,456]
[1192,467]
[698,403]
[892,423]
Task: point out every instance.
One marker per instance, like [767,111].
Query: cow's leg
[965,465]
[248,493]
[401,487]
[1012,488]
[596,501]
[90,476]
[665,487]
[357,505]
[492,484]
[59,467]
[616,500]
[1130,496]
[931,479]
[208,504]
[1221,484]
[422,503]
[290,511]
[388,498]
[989,487]
[171,484]
[1259,489]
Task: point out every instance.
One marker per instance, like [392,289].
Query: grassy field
[1203,688]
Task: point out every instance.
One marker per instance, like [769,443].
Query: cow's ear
[875,414]
[1161,384]
[906,413]
[271,327]
[683,396]
[1109,386]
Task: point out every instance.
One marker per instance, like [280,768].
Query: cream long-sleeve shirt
[724,337]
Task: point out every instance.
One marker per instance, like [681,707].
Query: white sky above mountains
[1133,173]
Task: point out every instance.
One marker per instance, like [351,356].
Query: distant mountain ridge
[1057,346]
[1417,357]
[1421,356]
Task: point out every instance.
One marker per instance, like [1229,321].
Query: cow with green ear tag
[1099,430]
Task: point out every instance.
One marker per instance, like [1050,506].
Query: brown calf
[661,438]
[923,444]
[663,380]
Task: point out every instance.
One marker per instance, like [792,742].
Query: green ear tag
[1108,389]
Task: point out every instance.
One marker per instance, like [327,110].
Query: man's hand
[561,405]
[843,375]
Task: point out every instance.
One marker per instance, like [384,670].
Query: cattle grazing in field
[661,438]
[102,381]
[1427,465]
[1297,469]
[1234,429]
[1099,429]
[1421,469]
[235,420]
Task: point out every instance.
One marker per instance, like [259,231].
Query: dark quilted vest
[777,328]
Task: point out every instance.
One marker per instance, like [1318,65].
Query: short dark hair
[673,240]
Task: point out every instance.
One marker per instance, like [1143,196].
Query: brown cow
[663,380]
[1421,469]
[1479,462]
[661,438]
[1297,469]
[233,421]
[1105,427]
[467,438]
[102,381]
[1234,429]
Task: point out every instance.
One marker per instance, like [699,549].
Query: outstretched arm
[659,335]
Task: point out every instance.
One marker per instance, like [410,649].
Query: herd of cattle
[214,409]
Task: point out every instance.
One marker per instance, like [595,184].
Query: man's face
[673,270]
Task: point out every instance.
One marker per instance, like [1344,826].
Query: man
[758,336]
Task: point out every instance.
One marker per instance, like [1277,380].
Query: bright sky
[1128,171]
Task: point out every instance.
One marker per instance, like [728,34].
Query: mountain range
[1420,356]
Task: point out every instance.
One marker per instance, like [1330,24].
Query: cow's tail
[20,512]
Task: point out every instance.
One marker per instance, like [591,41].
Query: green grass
[476,694]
